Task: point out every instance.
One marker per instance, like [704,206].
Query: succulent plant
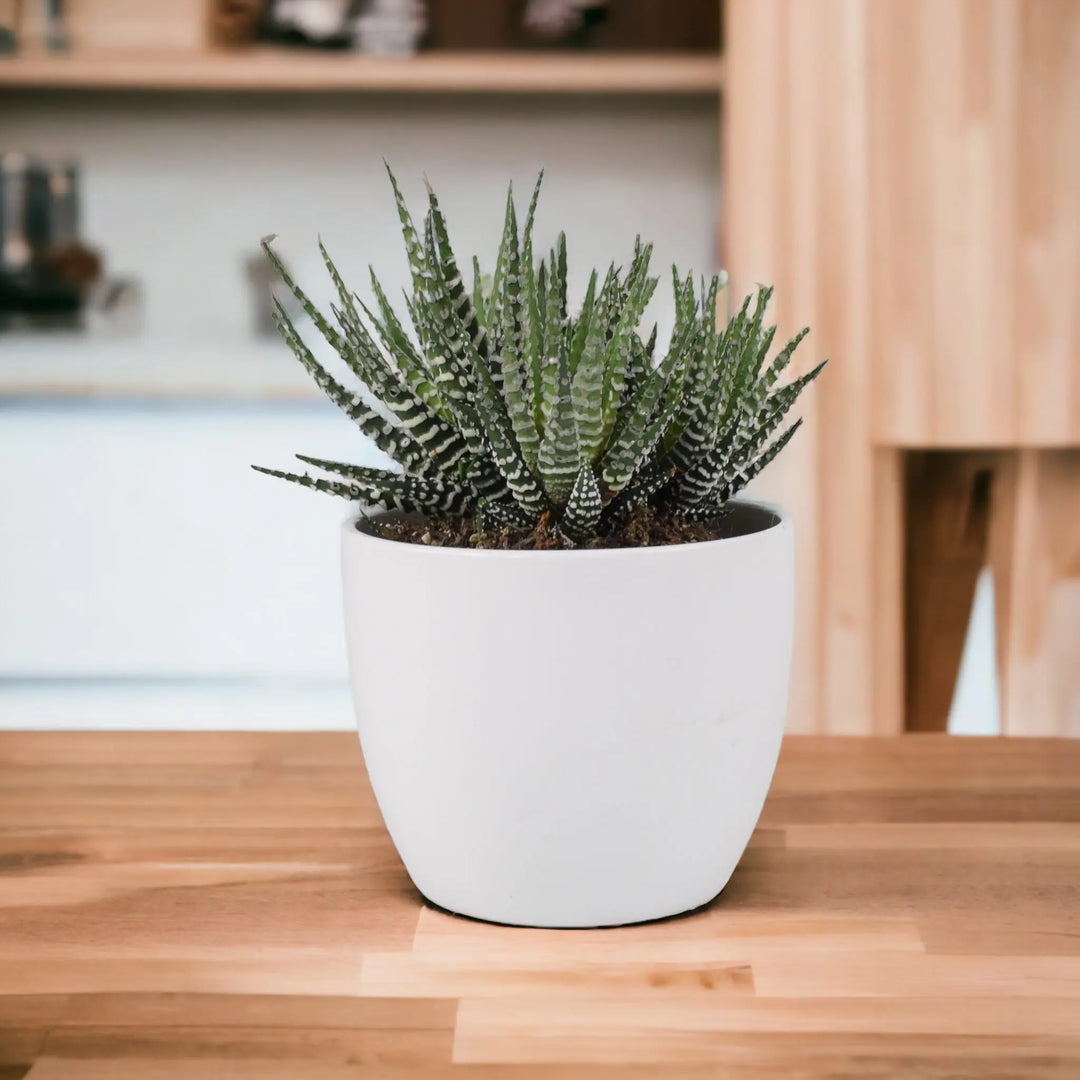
[506,407]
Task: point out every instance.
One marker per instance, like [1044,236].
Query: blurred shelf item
[70,366]
[176,26]
[269,70]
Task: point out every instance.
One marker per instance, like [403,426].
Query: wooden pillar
[795,213]
[907,174]
[1034,551]
[949,499]
[1018,512]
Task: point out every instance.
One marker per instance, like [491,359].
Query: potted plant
[569,648]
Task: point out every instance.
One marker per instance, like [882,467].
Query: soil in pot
[645,527]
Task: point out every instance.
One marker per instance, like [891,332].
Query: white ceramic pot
[572,738]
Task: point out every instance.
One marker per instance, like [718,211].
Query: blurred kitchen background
[906,172]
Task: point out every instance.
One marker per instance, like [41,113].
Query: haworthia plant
[508,407]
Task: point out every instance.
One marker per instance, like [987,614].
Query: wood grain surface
[229,905]
[907,174]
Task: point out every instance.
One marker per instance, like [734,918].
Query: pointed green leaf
[386,489]
[583,508]
[555,307]
[460,299]
[639,290]
[513,359]
[635,435]
[398,343]
[497,430]
[395,442]
[783,358]
[560,456]
[647,483]
[413,249]
[742,476]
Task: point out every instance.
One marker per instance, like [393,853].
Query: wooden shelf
[269,70]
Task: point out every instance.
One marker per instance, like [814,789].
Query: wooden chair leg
[888,544]
[947,503]
[1034,551]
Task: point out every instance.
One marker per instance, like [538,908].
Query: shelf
[269,70]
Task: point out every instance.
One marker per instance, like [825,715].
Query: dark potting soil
[645,527]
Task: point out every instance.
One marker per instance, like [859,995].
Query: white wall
[179,188]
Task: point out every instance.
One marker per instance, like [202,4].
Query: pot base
[684,914]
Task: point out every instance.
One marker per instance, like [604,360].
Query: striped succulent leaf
[741,474]
[640,363]
[783,358]
[312,312]
[738,477]
[639,290]
[506,405]
[532,358]
[636,434]
[440,446]
[685,303]
[478,291]
[413,249]
[587,390]
[402,351]
[509,235]
[391,491]
[560,451]
[496,427]
[742,439]
[709,294]
[588,359]
[705,411]
[396,443]
[383,376]
[647,486]
[754,434]
[449,343]
[556,304]
[504,512]
[515,361]
[584,506]
[460,298]
[587,328]
[541,370]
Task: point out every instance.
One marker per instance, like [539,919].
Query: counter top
[213,905]
[58,366]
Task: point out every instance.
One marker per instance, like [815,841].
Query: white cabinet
[135,541]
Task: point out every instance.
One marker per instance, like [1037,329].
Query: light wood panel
[754,202]
[207,906]
[1034,551]
[908,175]
[974,153]
[264,69]
[889,599]
[795,215]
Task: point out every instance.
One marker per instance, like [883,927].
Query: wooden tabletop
[200,906]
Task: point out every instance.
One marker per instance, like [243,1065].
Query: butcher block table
[215,905]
